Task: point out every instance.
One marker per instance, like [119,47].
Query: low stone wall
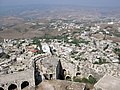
[18,79]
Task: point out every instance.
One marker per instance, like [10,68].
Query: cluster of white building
[97,57]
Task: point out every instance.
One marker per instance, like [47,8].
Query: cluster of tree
[4,55]
[37,42]
[117,51]
[101,61]
[90,80]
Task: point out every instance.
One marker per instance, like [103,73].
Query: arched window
[1,88]
[68,78]
[78,74]
[12,87]
[24,84]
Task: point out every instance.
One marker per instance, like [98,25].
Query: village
[80,52]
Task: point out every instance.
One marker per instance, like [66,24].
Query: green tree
[92,80]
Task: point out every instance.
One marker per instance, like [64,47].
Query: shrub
[92,80]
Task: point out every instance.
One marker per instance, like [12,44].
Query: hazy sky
[100,3]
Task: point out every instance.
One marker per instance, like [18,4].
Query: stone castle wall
[17,78]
